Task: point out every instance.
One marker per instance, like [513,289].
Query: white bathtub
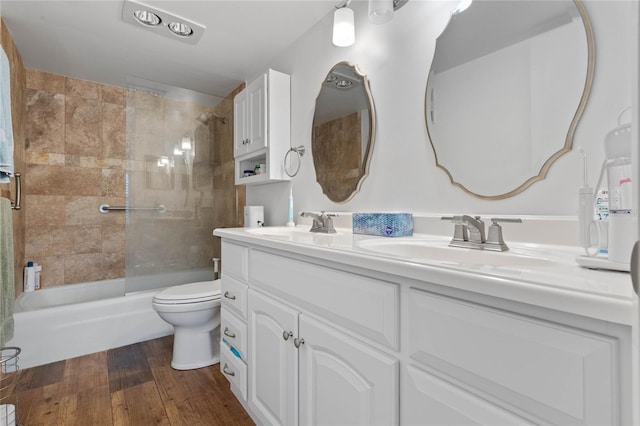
[66,321]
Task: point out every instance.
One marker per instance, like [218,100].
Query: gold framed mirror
[507,87]
[343,132]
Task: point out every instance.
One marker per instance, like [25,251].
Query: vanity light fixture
[462,6]
[161,22]
[344,33]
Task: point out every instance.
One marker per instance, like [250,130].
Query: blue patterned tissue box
[385,224]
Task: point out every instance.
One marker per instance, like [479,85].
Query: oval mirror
[343,132]
[508,84]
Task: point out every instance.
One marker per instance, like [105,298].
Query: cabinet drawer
[429,400]
[234,332]
[234,370]
[560,374]
[234,260]
[234,295]
[364,305]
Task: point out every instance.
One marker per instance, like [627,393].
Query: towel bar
[106,208]
[15,204]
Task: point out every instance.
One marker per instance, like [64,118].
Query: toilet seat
[203,291]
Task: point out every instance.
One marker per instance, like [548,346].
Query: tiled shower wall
[75,154]
[77,157]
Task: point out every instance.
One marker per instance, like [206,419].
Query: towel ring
[299,150]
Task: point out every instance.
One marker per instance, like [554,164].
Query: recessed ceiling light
[147,18]
[161,22]
[178,28]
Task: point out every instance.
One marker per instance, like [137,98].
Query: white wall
[396,57]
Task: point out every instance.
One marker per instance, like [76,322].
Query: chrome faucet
[469,233]
[322,222]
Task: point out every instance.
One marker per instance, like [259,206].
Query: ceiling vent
[161,22]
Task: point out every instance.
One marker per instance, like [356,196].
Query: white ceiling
[89,40]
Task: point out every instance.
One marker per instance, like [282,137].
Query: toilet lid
[190,293]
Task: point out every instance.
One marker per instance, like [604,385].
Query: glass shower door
[171,150]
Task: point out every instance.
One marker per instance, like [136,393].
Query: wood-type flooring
[131,385]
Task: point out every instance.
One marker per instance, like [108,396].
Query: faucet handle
[495,240]
[495,220]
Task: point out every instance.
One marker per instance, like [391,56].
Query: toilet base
[193,349]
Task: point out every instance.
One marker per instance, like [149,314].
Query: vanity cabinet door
[273,369]
[343,381]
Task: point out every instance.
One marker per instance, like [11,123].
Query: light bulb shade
[344,33]
[380,11]
[462,6]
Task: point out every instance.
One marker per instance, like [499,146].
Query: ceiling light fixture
[344,84]
[180,29]
[147,18]
[344,33]
[380,11]
[161,22]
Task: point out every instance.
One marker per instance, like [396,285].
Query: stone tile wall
[77,158]
[75,155]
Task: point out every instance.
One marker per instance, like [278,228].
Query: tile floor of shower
[131,385]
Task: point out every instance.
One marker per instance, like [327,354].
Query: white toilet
[194,311]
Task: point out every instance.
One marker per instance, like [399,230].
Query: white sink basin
[276,231]
[301,234]
[438,251]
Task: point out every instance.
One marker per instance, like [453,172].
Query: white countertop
[551,280]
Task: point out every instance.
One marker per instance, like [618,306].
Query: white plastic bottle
[29,277]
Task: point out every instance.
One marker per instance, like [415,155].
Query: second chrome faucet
[469,233]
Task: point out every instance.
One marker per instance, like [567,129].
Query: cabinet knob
[229,296]
[228,333]
[297,342]
[226,370]
[287,334]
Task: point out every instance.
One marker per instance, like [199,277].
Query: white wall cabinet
[261,133]
[318,354]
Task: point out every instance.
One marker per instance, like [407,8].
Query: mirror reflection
[342,134]
[508,84]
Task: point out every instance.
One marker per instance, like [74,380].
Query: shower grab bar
[106,208]
[15,204]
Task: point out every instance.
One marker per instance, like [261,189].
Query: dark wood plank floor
[132,385]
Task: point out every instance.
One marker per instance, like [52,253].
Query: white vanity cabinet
[261,131]
[330,342]
[470,363]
